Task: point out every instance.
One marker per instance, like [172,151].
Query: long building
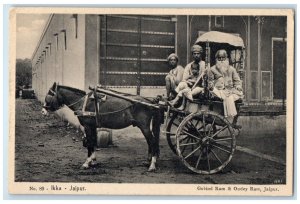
[128,52]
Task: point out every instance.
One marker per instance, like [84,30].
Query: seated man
[193,73]
[174,76]
[188,88]
[224,82]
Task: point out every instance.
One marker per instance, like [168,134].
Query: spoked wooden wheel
[205,142]
[171,129]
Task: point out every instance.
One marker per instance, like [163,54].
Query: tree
[23,72]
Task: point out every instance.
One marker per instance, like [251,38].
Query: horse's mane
[72,89]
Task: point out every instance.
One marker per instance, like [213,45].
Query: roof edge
[42,35]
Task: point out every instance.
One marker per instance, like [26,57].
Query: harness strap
[85,101]
[88,113]
[117,111]
[72,104]
[53,92]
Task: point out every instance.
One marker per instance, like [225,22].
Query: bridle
[51,99]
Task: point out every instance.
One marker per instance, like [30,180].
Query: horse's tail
[158,116]
[157,120]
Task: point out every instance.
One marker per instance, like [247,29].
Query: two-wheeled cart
[200,135]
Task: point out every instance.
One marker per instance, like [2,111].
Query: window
[44,54]
[56,40]
[75,17]
[65,37]
[254,88]
[219,21]
[49,48]
[42,58]
[266,85]
[279,67]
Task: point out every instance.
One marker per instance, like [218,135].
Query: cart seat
[201,99]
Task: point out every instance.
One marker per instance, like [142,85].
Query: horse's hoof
[93,163]
[84,167]
[151,169]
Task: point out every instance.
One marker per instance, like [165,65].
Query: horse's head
[51,100]
[58,96]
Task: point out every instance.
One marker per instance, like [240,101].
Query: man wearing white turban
[191,83]
[174,77]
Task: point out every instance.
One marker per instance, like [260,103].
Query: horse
[115,113]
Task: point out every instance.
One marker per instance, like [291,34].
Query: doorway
[279,68]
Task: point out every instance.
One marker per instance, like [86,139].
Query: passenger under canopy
[213,41]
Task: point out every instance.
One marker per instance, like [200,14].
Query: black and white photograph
[151,101]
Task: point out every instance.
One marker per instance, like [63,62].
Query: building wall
[275,124]
[253,93]
[257,34]
[71,50]
[92,28]
[181,39]
[197,23]
[133,52]
[271,28]
[59,56]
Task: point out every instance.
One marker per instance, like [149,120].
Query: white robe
[225,84]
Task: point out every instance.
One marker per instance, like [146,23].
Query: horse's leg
[152,137]
[93,157]
[154,153]
[147,134]
[92,147]
[88,161]
[142,121]
[149,137]
[91,142]
[156,123]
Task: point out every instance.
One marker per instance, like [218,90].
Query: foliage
[23,72]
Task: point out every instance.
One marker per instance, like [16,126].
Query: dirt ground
[48,151]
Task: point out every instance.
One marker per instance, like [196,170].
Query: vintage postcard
[151,101]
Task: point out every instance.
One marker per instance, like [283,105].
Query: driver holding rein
[191,82]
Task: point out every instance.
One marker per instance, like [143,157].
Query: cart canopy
[220,37]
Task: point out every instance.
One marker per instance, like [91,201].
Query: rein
[117,111]
[85,98]
[72,104]
[83,112]
[51,100]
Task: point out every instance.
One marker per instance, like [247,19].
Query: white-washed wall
[74,52]
[53,62]
[255,125]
